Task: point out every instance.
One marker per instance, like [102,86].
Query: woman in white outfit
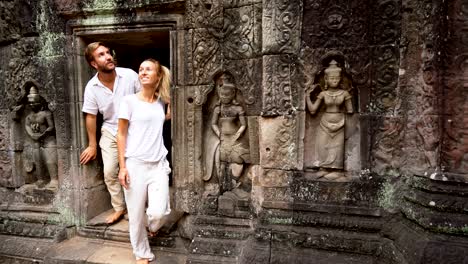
[144,170]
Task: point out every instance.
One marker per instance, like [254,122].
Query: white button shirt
[98,98]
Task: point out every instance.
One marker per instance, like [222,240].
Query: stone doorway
[130,47]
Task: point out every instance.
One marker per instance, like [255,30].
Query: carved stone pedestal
[218,239]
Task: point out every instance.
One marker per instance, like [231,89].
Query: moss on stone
[281,221]
[387,196]
[462,230]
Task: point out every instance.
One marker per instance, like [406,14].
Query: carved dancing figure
[229,124]
[39,125]
[330,139]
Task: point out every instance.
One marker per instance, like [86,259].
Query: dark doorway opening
[131,48]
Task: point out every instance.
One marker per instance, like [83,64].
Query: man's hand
[124,179]
[88,154]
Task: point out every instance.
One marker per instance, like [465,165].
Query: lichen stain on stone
[281,221]
[48,45]
[386,196]
[101,4]
[452,230]
[63,205]
[48,41]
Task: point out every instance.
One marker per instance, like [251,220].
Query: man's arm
[90,152]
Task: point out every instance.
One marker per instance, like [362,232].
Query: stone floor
[97,244]
[85,250]
[76,250]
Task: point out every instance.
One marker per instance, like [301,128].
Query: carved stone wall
[403,63]
[32,53]
[454,81]
[420,82]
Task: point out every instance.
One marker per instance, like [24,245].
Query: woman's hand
[124,178]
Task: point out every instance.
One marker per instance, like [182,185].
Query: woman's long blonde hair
[163,87]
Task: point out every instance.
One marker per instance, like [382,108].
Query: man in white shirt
[103,94]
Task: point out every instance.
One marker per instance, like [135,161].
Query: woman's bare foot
[151,233]
[115,217]
[142,261]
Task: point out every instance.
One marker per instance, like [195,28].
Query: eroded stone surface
[404,158]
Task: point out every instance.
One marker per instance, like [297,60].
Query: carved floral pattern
[387,146]
[21,67]
[241,32]
[279,91]
[204,13]
[281,26]
[247,74]
[201,93]
[9,26]
[418,83]
[455,137]
[221,34]
[334,25]
[279,143]
[205,55]
[384,95]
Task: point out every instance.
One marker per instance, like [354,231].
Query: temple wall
[372,170]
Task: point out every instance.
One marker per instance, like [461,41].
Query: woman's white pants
[149,182]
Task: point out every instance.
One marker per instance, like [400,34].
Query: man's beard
[105,69]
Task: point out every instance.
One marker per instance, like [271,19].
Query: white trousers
[149,183]
[108,144]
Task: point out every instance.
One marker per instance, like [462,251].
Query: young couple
[133,151]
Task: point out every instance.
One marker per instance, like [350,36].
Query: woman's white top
[145,126]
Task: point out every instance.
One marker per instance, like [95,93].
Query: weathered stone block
[386,21]
[385,95]
[281,26]
[10,22]
[204,14]
[248,77]
[388,136]
[242,37]
[344,24]
[281,85]
[281,144]
[204,56]
[272,178]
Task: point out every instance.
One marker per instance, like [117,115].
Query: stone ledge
[24,249]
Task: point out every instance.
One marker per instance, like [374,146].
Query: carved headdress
[333,69]
[33,95]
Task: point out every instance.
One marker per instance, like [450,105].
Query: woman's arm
[168,112]
[122,132]
[348,103]
[313,107]
[214,122]
[243,126]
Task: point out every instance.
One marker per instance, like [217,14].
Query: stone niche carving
[227,152]
[35,150]
[331,140]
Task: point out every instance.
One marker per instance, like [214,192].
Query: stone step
[206,259]
[97,228]
[225,248]
[210,220]
[112,234]
[226,232]
[19,249]
[96,251]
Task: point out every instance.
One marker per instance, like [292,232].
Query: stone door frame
[87,182]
